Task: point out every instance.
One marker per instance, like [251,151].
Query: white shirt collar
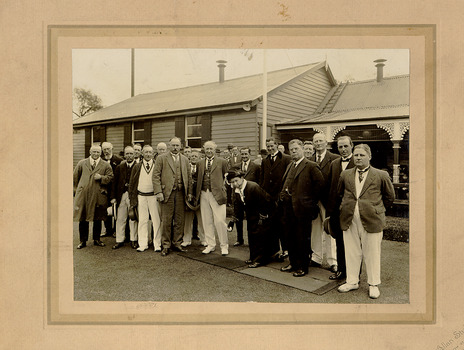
[93,160]
[298,161]
[322,155]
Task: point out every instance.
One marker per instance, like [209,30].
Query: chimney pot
[221,65]
[380,66]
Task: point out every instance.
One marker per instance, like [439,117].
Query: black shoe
[287,268]
[312,263]
[99,243]
[118,245]
[299,273]
[283,255]
[196,238]
[180,249]
[337,276]
[254,265]
[249,261]
[134,244]
[82,245]
[165,252]
[333,268]
[236,244]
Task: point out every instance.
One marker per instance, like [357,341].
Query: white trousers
[213,216]
[360,244]
[321,242]
[123,211]
[188,226]
[148,205]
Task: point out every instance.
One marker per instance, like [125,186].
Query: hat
[191,205]
[133,214]
[234,173]
[328,227]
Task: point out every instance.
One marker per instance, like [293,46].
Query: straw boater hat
[133,214]
[327,227]
[192,205]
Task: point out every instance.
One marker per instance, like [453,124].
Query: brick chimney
[380,66]
[221,65]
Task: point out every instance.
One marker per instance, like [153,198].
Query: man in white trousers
[142,196]
[367,192]
[211,193]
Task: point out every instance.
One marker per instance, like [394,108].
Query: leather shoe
[299,273]
[254,265]
[134,245]
[333,268]
[346,287]
[312,263]
[287,268]
[179,249]
[165,252]
[283,255]
[249,261]
[118,245]
[99,243]
[337,276]
[82,245]
[236,244]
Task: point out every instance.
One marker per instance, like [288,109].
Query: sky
[107,72]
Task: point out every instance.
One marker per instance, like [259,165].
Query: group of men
[302,206]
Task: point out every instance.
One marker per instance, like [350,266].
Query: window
[98,135]
[138,132]
[193,131]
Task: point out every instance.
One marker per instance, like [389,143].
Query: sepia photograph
[241,175]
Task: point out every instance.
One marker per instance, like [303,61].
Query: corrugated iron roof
[234,91]
[364,100]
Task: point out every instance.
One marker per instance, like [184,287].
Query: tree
[86,102]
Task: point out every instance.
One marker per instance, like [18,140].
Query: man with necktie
[142,197]
[91,178]
[345,148]
[120,196]
[172,183]
[300,195]
[366,193]
[321,242]
[211,194]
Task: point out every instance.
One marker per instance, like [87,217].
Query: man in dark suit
[251,173]
[211,194]
[300,196]
[259,207]
[367,192]
[271,175]
[345,148]
[113,160]
[172,183]
[91,179]
[120,196]
[322,242]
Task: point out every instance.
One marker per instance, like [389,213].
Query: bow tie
[346,160]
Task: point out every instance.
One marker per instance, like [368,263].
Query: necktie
[318,159]
[361,174]
[244,169]
[208,167]
[273,158]
[346,160]
[148,166]
[93,165]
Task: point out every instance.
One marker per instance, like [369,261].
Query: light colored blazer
[376,195]
[164,173]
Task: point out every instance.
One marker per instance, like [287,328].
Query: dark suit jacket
[333,199]
[252,173]
[305,189]
[119,182]
[325,168]
[218,170]
[164,174]
[134,183]
[257,201]
[271,175]
[376,195]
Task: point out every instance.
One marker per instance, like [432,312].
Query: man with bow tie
[142,197]
[345,148]
[91,178]
[251,173]
[172,184]
[120,196]
[300,196]
[366,193]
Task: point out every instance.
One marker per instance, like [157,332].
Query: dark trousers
[84,230]
[261,242]
[335,226]
[299,238]
[110,229]
[172,219]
